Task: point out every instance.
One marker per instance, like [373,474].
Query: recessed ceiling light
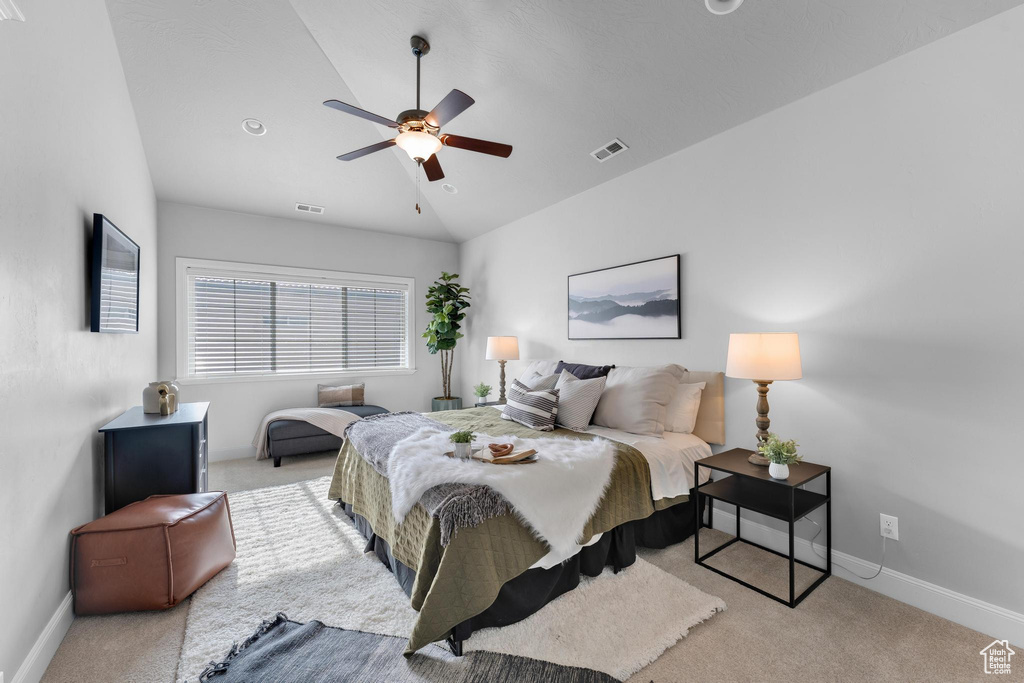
[450,189]
[254,127]
[722,6]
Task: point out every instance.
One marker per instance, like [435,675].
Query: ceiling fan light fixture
[722,6]
[418,145]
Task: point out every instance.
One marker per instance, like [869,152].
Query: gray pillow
[538,382]
[577,399]
[636,399]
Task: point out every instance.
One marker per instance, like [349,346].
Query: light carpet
[299,554]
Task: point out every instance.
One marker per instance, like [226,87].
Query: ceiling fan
[419,131]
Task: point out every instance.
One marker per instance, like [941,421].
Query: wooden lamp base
[762,421]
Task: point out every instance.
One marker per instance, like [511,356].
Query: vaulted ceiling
[554,78]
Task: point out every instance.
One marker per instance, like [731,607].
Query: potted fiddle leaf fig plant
[781,455]
[447,302]
[482,391]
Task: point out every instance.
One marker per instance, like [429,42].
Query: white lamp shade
[764,356]
[417,144]
[502,348]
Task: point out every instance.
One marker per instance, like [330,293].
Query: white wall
[881,219]
[69,147]
[237,407]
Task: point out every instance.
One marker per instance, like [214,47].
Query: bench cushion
[297,437]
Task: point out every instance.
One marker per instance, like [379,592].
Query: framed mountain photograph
[635,301]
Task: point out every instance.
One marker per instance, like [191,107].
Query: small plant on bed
[463,444]
[482,391]
[781,453]
[446,304]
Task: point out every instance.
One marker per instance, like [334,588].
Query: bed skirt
[534,588]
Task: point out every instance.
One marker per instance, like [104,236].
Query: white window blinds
[254,324]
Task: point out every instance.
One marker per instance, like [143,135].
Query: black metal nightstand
[488,403]
[751,487]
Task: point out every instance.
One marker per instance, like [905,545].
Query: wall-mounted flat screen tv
[115,279]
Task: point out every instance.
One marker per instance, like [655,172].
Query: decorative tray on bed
[512,458]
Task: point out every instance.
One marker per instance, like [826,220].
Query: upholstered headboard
[711,416]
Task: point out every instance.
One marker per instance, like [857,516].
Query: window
[239,320]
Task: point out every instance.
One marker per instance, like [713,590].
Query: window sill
[186,381]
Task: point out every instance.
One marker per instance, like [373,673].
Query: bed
[498,572]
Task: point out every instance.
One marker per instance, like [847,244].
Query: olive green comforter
[461,580]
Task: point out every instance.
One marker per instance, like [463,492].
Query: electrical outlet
[889,526]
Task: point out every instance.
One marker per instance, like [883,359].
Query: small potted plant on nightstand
[463,444]
[781,455]
[482,391]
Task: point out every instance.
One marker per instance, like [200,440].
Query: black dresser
[150,454]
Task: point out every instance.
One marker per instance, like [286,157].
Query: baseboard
[232,453]
[34,666]
[992,620]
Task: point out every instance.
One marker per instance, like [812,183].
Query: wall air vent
[309,208]
[606,152]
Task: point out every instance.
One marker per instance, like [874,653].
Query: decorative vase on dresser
[151,396]
[146,454]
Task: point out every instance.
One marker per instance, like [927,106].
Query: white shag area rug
[299,554]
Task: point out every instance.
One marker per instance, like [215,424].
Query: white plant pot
[778,471]
[464,450]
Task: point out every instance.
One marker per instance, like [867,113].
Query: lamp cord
[864,578]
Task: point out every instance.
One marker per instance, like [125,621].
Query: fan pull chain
[418,189]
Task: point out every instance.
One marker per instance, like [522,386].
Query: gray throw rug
[285,650]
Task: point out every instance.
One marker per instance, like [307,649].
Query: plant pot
[463,450]
[778,471]
[441,403]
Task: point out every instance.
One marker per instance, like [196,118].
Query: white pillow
[539,367]
[577,399]
[681,415]
[538,382]
[636,399]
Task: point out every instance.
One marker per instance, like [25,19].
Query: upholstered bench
[151,554]
[297,437]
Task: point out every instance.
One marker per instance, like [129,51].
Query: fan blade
[473,145]
[361,113]
[453,104]
[433,168]
[366,150]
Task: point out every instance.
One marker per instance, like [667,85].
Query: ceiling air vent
[309,208]
[606,152]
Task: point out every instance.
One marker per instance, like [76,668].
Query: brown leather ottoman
[151,554]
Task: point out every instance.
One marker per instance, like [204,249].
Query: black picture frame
[676,310]
[116,267]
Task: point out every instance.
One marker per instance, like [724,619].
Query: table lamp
[502,349]
[763,358]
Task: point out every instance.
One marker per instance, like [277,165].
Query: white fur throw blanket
[554,496]
[330,420]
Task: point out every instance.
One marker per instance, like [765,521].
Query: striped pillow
[535,409]
[577,399]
